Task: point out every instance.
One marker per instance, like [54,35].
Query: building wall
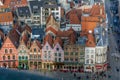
[89,59]
[10,53]
[58,53]
[23,56]
[55,11]
[101,54]
[47,53]
[35,57]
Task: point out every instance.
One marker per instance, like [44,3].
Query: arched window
[19,57]
[13,56]
[22,57]
[8,57]
[10,50]
[3,57]
[6,51]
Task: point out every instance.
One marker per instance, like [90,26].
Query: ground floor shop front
[9,64]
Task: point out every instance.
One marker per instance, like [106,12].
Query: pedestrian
[74,75]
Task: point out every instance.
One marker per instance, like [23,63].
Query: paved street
[112,74]
[7,74]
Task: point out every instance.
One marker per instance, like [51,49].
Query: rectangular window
[56,59]
[71,59]
[76,59]
[71,53]
[66,59]
[59,59]
[87,56]
[31,57]
[76,53]
[92,56]
[34,49]
[66,53]
[39,57]
[55,54]
[45,56]
[35,56]
[59,54]
[47,47]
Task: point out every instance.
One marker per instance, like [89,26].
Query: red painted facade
[8,54]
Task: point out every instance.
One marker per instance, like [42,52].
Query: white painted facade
[101,54]
[89,59]
[55,11]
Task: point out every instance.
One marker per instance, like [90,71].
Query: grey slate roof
[35,5]
[100,36]
[82,40]
[38,31]
[24,11]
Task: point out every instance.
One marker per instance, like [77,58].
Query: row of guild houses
[19,51]
[80,45]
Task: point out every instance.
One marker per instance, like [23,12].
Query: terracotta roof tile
[74,16]
[28,28]
[51,29]
[98,10]
[63,33]
[6,17]
[15,3]
[72,39]
[91,40]
[51,22]
[2,34]
[24,38]
[14,36]
[58,40]
[48,38]
[4,6]
[38,43]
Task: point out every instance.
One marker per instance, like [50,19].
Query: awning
[99,66]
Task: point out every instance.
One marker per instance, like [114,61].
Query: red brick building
[8,52]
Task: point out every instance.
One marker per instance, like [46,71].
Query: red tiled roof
[72,39]
[74,16]
[49,18]
[4,6]
[48,38]
[71,34]
[38,43]
[14,36]
[51,29]
[6,17]
[91,40]
[2,34]
[63,33]
[58,40]
[28,28]
[13,3]
[24,38]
